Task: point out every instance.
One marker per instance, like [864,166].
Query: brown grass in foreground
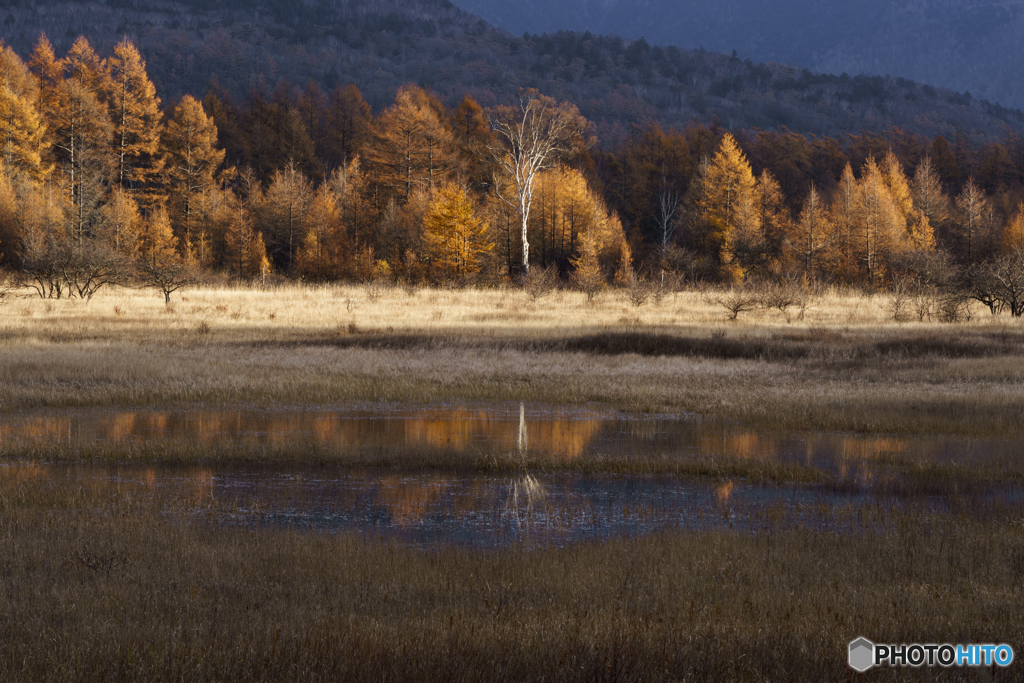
[101,587]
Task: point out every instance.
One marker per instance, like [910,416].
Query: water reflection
[474,510]
[561,434]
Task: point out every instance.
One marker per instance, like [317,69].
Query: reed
[99,586]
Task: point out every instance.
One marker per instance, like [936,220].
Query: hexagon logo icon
[862,654]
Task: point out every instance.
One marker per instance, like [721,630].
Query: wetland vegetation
[913,427]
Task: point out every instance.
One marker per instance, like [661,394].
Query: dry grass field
[104,586]
[845,365]
[98,587]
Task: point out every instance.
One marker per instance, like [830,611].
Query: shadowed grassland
[843,367]
[99,586]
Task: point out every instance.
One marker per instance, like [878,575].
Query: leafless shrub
[898,299]
[540,282]
[999,284]
[780,297]
[638,291]
[410,286]
[953,307]
[374,289]
[737,300]
[6,289]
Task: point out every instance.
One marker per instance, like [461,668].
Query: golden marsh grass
[844,366]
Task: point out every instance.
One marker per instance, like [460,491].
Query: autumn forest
[102,182]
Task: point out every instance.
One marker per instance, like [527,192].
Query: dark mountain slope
[380,44]
[964,44]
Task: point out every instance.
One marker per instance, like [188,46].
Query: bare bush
[898,299]
[374,289]
[639,291]
[953,307]
[738,300]
[540,282]
[6,288]
[999,284]
[410,286]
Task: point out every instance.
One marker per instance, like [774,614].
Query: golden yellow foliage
[322,245]
[455,237]
[728,202]
[22,131]
[120,222]
[135,112]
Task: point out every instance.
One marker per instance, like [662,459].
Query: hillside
[381,45]
[971,45]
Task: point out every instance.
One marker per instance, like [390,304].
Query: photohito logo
[864,654]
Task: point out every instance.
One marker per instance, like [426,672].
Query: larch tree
[82,132]
[411,145]
[814,238]
[88,68]
[245,254]
[918,232]
[212,211]
[844,219]
[882,225]
[587,273]
[971,209]
[323,244]
[454,236]
[473,137]
[282,213]
[533,136]
[1013,235]
[312,111]
[929,200]
[189,146]
[9,214]
[348,124]
[728,203]
[22,131]
[47,68]
[160,263]
[120,223]
[775,216]
[135,113]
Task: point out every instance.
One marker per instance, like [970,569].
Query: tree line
[101,182]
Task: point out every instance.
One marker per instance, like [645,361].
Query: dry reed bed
[100,587]
[842,367]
